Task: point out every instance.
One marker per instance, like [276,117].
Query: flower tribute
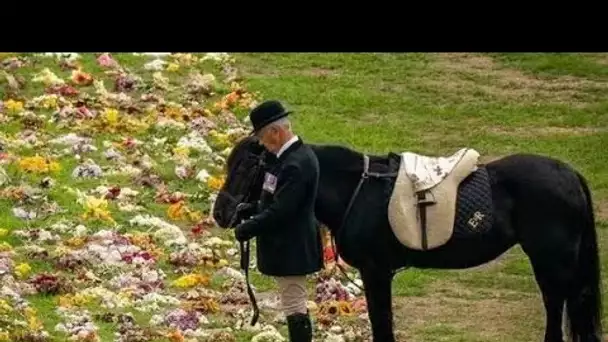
[109,165]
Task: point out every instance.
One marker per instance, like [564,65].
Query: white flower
[181,172]
[167,122]
[194,141]
[128,207]
[70,139]
[88,169]
[269,334]
[23,214]
[217,242]
[80,230]
[334,338]
[157,65]
[171,234]
[215,56]
[203,175]
[159,142]
[230,273]
[156,320]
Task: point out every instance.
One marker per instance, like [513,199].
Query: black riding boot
[300,328]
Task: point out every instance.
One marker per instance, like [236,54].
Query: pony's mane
[339,158]
[240,147]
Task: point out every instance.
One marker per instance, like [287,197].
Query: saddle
[422,204]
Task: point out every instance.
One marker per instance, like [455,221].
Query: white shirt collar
[286,145]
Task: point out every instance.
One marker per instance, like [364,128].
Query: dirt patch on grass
[318,72]
[526,132]
[479,76]
[491,317]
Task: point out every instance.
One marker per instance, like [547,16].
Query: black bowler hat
[265,113]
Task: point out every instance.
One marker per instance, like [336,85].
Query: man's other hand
[242,231]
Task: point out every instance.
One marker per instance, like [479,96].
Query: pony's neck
[340,170]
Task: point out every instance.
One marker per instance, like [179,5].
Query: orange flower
[231,99]
[176,211]
[345,308]
[81,78]
[176,336]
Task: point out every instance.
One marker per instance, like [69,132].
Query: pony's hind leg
[554,272]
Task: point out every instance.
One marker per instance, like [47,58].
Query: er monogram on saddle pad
[270,183]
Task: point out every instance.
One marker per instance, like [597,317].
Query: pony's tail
[584,302]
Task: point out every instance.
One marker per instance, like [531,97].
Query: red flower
[198,229]
[328,254]
[113,193]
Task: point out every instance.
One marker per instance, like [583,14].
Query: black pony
[540,203]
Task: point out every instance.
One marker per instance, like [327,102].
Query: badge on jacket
[270,183]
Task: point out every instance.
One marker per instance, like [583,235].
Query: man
[288,238]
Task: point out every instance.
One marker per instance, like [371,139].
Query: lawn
[553,104]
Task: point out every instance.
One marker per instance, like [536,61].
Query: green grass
[434,104]
[553,104]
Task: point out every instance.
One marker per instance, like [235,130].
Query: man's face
[270,137]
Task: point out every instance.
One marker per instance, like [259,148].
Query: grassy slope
[434,104]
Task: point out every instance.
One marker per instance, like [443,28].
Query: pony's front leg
[377,284]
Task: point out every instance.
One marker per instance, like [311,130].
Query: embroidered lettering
[476,219]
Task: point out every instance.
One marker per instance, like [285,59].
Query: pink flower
[105,60]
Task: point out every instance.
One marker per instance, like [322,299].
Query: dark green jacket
[288,236]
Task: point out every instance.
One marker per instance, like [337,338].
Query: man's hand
[242,232]
[245,211]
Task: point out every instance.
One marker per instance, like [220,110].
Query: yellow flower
[4,336]
[191,280]
[181,152]
[22,270]
[5,247]
[5,308]
[32,321]
[3,233]
[71,300]
[172,67]
[195,216]
[47,77]
[13,106]
[215,183]
[49,102]
[75,242]
[38,164]
[97,208]
[175,112]
[111,116]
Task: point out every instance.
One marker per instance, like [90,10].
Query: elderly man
[288,237]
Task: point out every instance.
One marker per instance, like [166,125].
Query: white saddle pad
[426,172]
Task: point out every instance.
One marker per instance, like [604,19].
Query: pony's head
[245,173]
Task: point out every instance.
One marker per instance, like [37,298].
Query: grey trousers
[292,291]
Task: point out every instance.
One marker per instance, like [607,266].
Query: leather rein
[364,176]
[244,246]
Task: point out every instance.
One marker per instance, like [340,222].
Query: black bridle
[244,245]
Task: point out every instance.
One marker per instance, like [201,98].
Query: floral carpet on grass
[109,165]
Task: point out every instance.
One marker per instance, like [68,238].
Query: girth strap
[364,175]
